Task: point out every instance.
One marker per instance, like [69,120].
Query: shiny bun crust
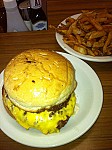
[38,79]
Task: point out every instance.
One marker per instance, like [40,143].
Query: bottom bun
[47,121]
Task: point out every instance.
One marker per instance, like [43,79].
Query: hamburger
[38,90]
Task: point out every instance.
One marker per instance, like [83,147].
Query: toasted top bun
[38,79]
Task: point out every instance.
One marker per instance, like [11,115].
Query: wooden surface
[99,137]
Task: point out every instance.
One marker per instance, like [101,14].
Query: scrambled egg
[46,121]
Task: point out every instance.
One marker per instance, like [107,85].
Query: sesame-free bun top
[38,79]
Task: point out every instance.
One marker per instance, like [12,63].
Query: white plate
[89,98]
[68,49]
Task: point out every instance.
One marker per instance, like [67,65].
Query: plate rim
[68,49]
[87,128]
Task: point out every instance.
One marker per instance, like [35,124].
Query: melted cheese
[46,121]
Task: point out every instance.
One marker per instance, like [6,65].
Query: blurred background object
[37,15]
[24,8]
[27,15]
[15,22]
[3,21]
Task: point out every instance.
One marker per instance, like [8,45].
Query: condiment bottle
[24,8]
[37,15]
[15,22]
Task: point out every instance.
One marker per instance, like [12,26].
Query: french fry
[95,23]
[107,27]
[90,43]
[97,34]
[100,20]
[69,21]
[108,41]
[90,52]
[70,40]
[98,44]
[98,52]
[109,50]
[86,27]
[81,49]
[69,31]
[75,29]
[78,38]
